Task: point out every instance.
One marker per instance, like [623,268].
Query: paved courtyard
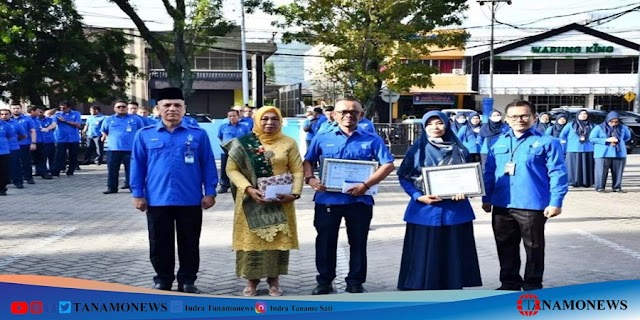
[67,227]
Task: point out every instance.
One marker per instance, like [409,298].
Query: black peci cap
[169,93]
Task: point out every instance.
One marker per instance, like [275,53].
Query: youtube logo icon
[19,307]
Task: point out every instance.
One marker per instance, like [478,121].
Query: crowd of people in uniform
[171,171]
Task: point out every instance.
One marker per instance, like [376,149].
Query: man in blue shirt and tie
[26,145]
[226,132]
[173,178]
[348,142]
[525,180]
[119,130]
[66,122]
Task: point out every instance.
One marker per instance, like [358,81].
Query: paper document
[270,192]
[350,184]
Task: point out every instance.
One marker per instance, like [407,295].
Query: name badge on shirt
[510,168]
[189,157]
[129,129]
[583,138]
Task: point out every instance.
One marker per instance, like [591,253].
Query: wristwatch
[306,179]
[297,196]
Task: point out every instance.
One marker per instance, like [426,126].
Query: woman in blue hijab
[470,136]
[489,133]
[579,156]
[610,151]
[439,249]
[460,121]
[555,129]
[543,122]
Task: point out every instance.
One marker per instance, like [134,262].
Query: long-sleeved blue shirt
[228,131]
[66,133]
[27,123]
[5,135]
[366,124]
[574,144]
[121,130]
[604,149]
[361,145]
[15,130]
[472,141]
[486,143]
[540,178]
[160,171]
[442,213]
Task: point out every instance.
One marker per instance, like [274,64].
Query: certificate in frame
[335,172]
[447,181]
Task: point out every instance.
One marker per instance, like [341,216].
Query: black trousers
[49,150]
[224,179]
[164,223]
[509,227]
[25,162]
[5,168]
[40,160]
[114,160]
[327,221]
[61,155]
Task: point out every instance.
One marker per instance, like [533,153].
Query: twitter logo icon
[64,307]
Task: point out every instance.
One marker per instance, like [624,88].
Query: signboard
[595,48]
[434,99]
[629,96]
[389,96]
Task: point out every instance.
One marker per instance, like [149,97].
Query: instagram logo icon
[261,307]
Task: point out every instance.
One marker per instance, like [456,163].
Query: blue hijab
[557,128]
[491,129]
[471,127]
[582,127]
[542,127]
[426,153]
[457,126]
[610,131]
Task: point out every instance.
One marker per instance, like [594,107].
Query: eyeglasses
[521,116]
[353,113]
[120,107]
[272,119]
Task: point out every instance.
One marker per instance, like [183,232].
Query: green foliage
[45,51]
[371,42]
[196,24]
[270,73]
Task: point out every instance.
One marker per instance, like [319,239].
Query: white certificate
[446,181]
[335,172]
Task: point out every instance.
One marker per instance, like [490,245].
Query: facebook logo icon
[64,307]
[175,306]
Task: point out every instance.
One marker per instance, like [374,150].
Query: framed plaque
[337,172]
[447,181]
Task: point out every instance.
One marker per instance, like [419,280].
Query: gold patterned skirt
[262,264]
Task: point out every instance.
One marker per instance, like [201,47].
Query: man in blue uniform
[66,122]
[26,145]
[331,121]
[39,156]
[247,116]
[95,146]
[171,164]
[5,157]
[226,132]
[120,129]
[48,140]
[526,181]
[16,132]
[346,141]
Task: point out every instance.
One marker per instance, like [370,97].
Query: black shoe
[599,190]
[85,163]
[20,186]
[508,288]
[322,289]
[126,186]
[223,190]
[55,175]
[30,181]
[162,286]
[110,191]
[189,288]
[69,174]
[46,177]
[355,289]
[618,190]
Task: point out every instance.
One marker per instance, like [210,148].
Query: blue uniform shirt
[27,124]
[574,144]
[227,131]
[47,137]
[94,125]
[38,126]
[15,130]
[361,145]
[366,124]
[248,122]
[327,126]
[540,178]
[5,135]
[604,149]
[190,121]
[64,132]
[470,140]
[121,131]
[310,133]
[160,172]
[487,143]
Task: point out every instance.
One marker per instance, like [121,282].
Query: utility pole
[636,103]
[243,49]
[487,104]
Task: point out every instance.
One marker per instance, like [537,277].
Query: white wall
[541,84]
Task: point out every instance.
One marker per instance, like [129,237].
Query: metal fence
[399,136]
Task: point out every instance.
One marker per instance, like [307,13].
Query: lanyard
[513,151]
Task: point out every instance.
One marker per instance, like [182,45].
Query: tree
[270,73]
[45,51]
[369,43]
[195,26]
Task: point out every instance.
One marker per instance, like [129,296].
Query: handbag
[281,179]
